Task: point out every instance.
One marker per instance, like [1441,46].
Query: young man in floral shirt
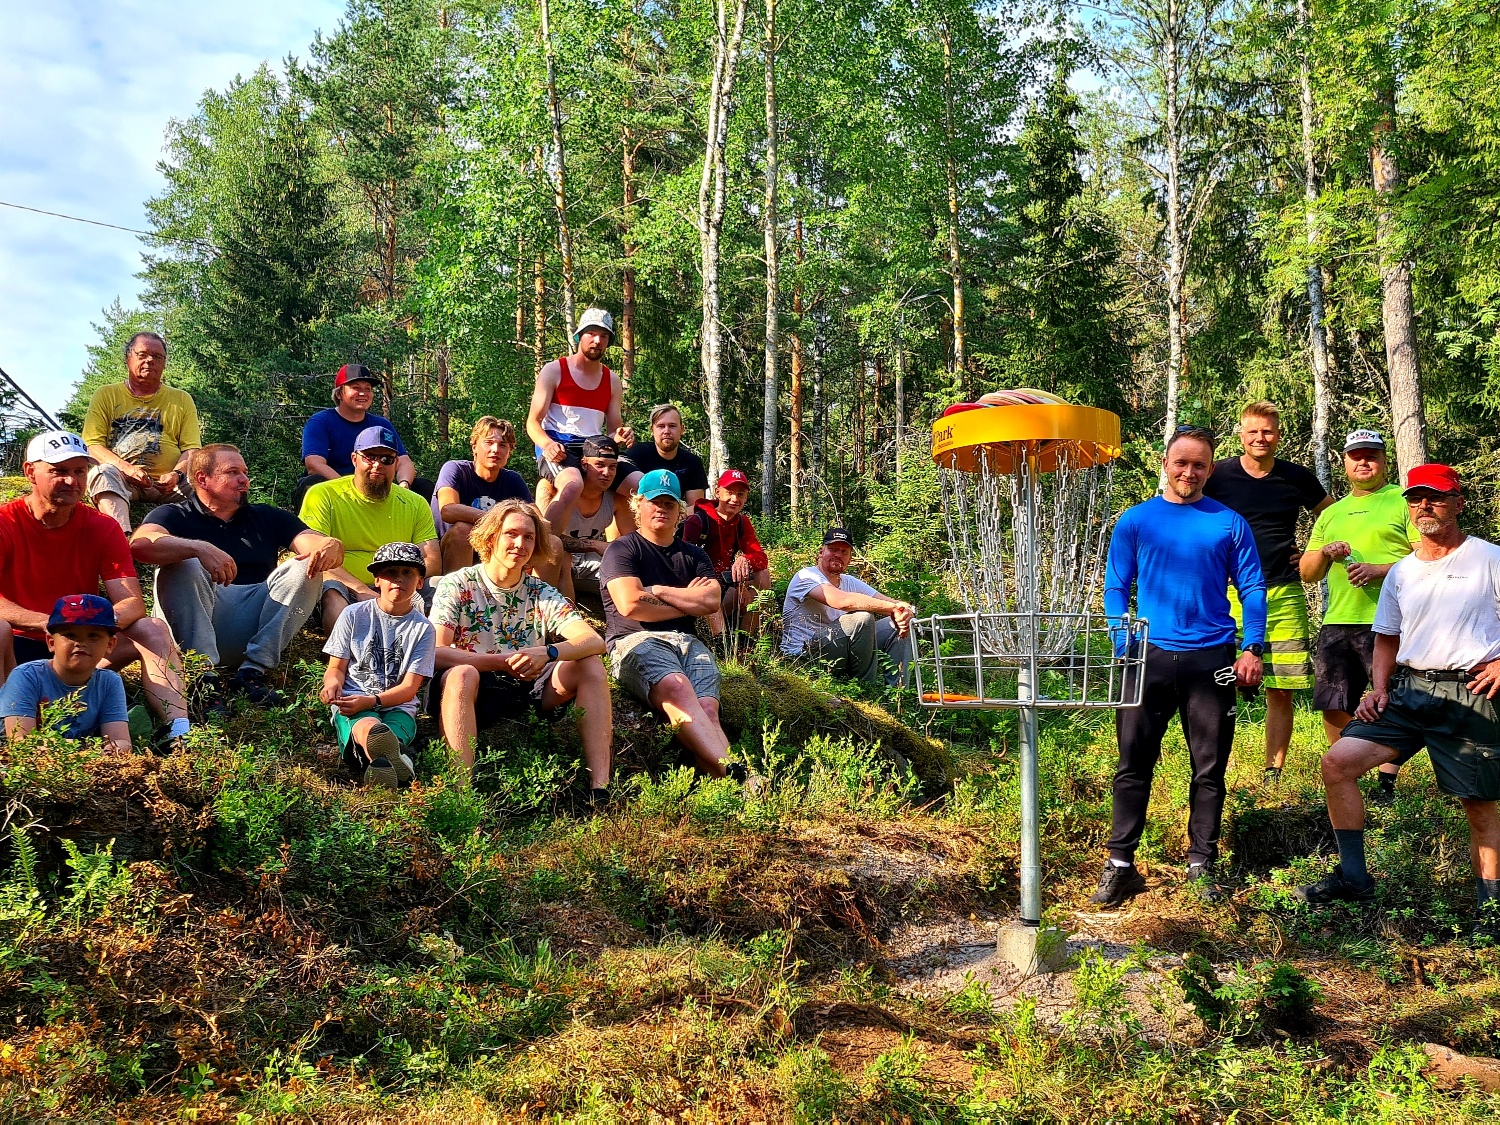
[508,642]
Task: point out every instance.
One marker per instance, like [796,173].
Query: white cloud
[85,94]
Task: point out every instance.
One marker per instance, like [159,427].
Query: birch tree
[557,173]
[773,281]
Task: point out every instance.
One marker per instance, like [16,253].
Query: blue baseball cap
[659,482]
[376,437]
[82,609]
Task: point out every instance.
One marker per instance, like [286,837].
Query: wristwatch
[551,652]
[1256,649]
[404,483]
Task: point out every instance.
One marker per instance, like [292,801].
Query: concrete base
[1033,949]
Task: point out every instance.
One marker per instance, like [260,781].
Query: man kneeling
[1435,676]
[498,634]
[833,617]
[655,585]
[381,654]
[80,634]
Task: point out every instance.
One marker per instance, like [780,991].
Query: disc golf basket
[1026,483]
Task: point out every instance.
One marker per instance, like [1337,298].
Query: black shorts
[28,649]
[548,470]
[505,697]
[1342,660]
[1458,729]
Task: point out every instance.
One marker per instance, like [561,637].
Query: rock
[1447,1067]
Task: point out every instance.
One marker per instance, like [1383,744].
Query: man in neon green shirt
[364,512]
[1354,543]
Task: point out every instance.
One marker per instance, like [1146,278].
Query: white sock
[1113,862]
[179,728]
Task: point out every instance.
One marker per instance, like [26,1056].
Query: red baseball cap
[1439,478]
[729,478]
[353,373]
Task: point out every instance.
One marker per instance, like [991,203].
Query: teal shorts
[402,725]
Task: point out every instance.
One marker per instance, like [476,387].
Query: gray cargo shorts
[642,660]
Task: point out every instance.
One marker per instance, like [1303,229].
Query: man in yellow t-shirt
[1354,543]
[363,512]
[140,434]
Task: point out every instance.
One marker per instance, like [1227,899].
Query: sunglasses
[1433,498]
[379,458]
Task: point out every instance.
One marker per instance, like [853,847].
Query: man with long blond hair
[508,642]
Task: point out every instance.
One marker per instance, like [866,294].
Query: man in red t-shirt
[52,546]
[722,529]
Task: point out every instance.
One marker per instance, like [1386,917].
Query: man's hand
[625,436]
[219,564]
[555,452]
[901,617]
[1372,706]
[138,476]
[365,594]
[741,570]
[1362,574]
[351,705]
[1337,550]
[1486,679]
[1248,670]
[167,481]
[327,556]
[330,691]
[527,663]
[700,582]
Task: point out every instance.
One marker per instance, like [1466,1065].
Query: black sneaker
[1486,931]
[597,800]
[169,746]
[1272,779]
[1333,888]
[208,699]
[252,683]
[383,774]
[382,745]
[1201,877]
[1118,885]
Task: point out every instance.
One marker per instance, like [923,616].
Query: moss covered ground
[238,933]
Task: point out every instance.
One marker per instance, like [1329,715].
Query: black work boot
[1118,885]
[1333,887]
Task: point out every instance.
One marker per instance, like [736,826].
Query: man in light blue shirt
[1179,551]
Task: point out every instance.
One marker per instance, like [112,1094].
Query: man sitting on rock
[139,433]
[655,587]
[587,533]
[725,533]
[52,546]
[509,644]
[80,634]
[218,582]
[364,512]
[833,617]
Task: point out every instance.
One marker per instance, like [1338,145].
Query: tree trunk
[794,466]
[1317,333]
[538,314]
[955,249]
[627,274]
[711,204]
[520,292]
[1176,251]
[1396,311]
[558,174]
[900,372]
[773,279]
[442,396]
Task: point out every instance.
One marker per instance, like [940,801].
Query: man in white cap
[52,546]
[139,433]
[1354,544]
[576,397]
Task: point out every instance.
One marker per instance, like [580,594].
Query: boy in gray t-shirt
[381,653]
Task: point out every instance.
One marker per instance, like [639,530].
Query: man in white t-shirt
[832,617]
[1436,673]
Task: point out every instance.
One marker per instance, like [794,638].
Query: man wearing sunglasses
[363,512]
[1436,673]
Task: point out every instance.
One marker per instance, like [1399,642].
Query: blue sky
[86,90]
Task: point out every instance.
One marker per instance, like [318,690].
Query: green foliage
[1269,995]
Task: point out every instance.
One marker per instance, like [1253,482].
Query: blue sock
[1351,843]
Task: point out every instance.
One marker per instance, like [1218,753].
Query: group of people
[473,588]
[1407,657]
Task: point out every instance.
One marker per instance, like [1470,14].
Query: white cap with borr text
[55,447]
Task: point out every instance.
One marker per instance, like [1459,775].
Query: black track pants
[1199,686]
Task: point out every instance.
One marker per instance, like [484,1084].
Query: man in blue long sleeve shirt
[1180,551]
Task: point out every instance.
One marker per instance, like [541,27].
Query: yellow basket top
[1008,435]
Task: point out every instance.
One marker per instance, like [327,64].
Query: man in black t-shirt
[218,584]
[654,587]
[664,451]
[1271,494]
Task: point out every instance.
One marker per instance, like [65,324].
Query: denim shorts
[642,660]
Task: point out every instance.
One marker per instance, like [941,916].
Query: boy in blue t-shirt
[381,653]
[80,634]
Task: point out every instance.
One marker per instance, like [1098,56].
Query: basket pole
[1026,688]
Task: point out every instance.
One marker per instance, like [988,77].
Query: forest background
[817,224]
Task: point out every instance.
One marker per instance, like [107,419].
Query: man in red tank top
[576,397]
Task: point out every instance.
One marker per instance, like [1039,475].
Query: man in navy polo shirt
[328,437]
[219,585]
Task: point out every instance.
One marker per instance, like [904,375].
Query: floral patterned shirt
[487,619]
